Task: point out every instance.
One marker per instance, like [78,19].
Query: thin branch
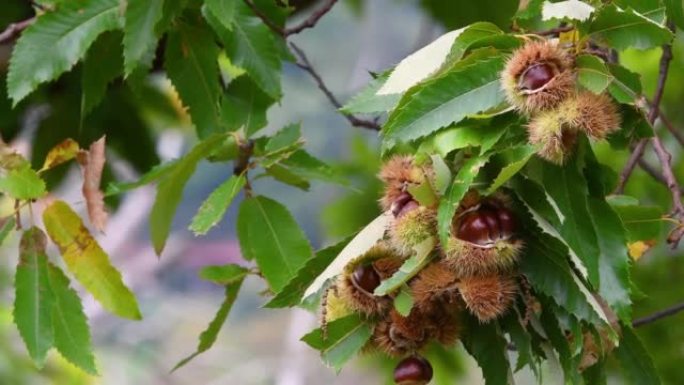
[13,30]
[309,22]
[304,63]
[312,20]
[555,31]
[638,151]
[634,158]
[658,315]
[655,174]
[670,127]
[672,184]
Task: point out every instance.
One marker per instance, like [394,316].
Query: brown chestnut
[536,76]
[486,225]
[414,370]
[365,278]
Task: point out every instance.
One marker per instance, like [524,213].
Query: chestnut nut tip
[414,370]
[403,204]
[535,77]
[365,278]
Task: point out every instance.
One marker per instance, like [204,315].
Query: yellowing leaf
[638,249]
[92,162]
[87,261]
[61,153]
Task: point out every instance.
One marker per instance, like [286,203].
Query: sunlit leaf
[275,239]
[224,274]
[409,269]
[623,29]
[567,10]
[215,206]
[56,41]
[61,153]
[22,183]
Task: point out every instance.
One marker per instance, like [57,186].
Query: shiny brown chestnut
[365,278]
[414,370]
[486,226]
[536,77]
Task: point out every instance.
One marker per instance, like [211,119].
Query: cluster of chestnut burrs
[473,272]
[540,81]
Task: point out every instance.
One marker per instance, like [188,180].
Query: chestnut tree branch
[670,311]
[304,63]
[638,151]
[13,30]
[312,20]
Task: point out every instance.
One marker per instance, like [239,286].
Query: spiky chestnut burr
[555,131]
[397,174]
[483,240]
[360,278]
[488,297]
[414,370]
[412,225]
[538,76]
[435,287]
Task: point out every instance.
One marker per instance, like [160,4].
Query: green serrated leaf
[215,206]
[140,40]
[592,73]
[643,223]
[623,29]
[33,301]
[306,165]
[464,136]
[287,176]
[72,334]
[292,293]
[245,105]
[626,85]
[403,302]
[345,337]
[464,90]
[423,193]
[560,343]
[275,240]
[252,46]
[411,267]
[157,172]
[486,344]
[224,10]
[287,137]
[568,189]
[208,337]
[368,101]
[88,262]
[515,159]
[192,65]
[22,183]
[170,190]
[56,41]
[101,66]
[456,191]
[636,362]
[223,274]
[675,11]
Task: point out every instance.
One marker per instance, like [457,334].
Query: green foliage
[56,41]
[274,239]
[215,206]
[444,105]
[344,338]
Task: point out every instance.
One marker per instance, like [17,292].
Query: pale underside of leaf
[419,65]
[364,241]
[570,9]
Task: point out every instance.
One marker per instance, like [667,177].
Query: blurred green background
[259,346]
